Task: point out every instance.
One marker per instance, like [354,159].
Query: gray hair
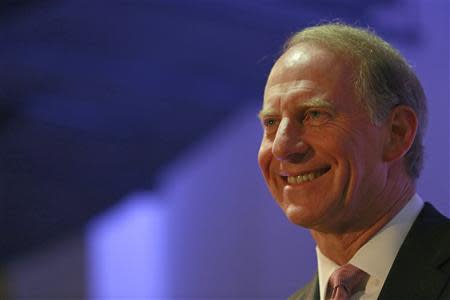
[382,78]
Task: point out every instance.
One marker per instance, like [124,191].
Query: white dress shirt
[377,255]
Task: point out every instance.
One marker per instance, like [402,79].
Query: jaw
[314,204]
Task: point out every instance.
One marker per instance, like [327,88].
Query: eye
[316,117]
[314,114]
[269,122]
[270,125]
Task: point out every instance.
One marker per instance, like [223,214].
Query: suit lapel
[421,268]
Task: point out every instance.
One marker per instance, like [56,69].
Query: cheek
[264,156]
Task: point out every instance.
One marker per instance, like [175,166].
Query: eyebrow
[313,102]
[266,112]
[317,102]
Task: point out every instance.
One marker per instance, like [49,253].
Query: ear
[401,128]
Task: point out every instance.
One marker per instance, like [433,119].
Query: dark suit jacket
[421,270]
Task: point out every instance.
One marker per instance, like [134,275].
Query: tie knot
[345,281]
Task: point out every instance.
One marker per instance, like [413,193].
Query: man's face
[320,154]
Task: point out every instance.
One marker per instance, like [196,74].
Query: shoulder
[427,277]
[430,226]
[309,292]
[428,237]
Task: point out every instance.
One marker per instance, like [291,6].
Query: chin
[296,215]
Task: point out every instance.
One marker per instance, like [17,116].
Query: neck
[342,246]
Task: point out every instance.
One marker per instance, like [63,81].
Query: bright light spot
[126,250]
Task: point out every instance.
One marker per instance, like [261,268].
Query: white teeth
[291,180]
[303,178]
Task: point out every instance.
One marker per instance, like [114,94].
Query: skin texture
[314,124]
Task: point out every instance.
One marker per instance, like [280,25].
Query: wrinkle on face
[287,88]
[278,95]
[311,77]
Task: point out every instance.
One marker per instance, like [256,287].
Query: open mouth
[305,177]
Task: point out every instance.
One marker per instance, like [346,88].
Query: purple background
[130,138]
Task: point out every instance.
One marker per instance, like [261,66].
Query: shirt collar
[383,246]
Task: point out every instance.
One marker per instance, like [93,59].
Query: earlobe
[401,131]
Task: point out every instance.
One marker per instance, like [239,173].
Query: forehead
[301,61]
[290,87]
[309,70]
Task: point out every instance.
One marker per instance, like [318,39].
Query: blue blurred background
[129,135]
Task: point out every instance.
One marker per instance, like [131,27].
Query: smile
[307,176]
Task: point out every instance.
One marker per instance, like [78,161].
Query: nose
[288,144]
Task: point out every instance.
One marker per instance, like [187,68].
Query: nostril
[292,153]
[297,157]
